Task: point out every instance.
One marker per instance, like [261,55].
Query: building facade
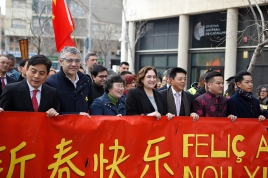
[196,35]
[31,19]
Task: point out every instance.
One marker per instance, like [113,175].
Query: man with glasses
[73,87]
[99,75]
[212,103]
[4,78]
[91,60]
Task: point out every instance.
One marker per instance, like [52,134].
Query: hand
[156,114]
[119,115]
[52,112]
[194,116]
[261,118]
[232,117]
[170,116]
[84,114]
[1,110]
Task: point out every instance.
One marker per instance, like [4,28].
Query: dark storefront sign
[209,30]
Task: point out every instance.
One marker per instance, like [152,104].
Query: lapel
[44,99]
[157,101]
[8,79]
[171,102]
[25,96]
[144,100]
[246,104]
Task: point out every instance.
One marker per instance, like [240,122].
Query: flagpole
[90,26]
[75,41]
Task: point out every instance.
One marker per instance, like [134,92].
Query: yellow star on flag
[53,16]
[54,1]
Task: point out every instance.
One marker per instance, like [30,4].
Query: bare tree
[262,34]
[41,28]
[140,28]
[103,36]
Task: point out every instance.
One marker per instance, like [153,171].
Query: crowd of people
[39,88]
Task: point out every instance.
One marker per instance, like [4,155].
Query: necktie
[34,101]
[178,103]
[3,82]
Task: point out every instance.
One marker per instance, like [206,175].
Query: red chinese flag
[62,23]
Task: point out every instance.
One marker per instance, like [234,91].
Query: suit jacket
[168,103]
[9,80]
[137,102]
[16,97]
[239,107]
[162,88]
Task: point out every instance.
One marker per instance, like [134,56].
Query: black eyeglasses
[69,60]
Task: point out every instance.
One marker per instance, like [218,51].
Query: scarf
[113,99]
[248,96]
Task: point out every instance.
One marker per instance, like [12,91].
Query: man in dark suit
[31,94]
[178,102]
[166,75]
[4,78]
[242,103]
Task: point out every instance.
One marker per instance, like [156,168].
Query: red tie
[34,101]
[3,82]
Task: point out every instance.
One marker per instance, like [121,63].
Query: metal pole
[90,25]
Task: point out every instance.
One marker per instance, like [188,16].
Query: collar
[32,88]
[76,78]
[174,92]
[5,76]
[213,95]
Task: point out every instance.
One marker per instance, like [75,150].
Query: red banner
[32,145]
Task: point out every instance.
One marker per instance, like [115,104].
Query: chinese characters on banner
[32,145]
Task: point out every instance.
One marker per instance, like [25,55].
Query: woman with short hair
[263,96]
[144,100]
[111,102]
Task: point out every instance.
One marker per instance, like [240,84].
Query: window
[161,62]
[161,34]
[47,27]
[11,39]
[18,23]
[19,3]
[11,48]
[43,6]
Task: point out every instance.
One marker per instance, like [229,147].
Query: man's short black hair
[210,76]
[125,72]
[175,70]
[240,75]
[23,62]
[124,62]
[96,69]
[40,59]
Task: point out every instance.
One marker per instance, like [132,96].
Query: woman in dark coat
[144,100]
[111,102]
